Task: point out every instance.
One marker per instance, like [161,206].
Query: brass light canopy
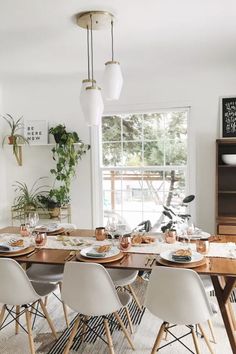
[101,19]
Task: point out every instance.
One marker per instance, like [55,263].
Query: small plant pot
[11,140]
[54,212]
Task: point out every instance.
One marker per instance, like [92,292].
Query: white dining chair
[48,273]
[88,289]
[17,290]
[177,296]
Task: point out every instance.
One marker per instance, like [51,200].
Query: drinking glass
[111,228]
[31,220]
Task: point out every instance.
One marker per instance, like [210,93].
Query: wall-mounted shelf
[18,153]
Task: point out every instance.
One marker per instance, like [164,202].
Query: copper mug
[100,233]
[40,238]
[170,236]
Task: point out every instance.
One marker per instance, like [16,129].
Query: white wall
[57,100]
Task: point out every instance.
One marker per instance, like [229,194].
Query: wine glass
[184,233]
[111,228]
[31,220]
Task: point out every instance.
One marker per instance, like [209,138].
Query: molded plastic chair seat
[46,273]
[122,277]
[124,298]
[43,289]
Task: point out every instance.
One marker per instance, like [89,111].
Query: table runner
[222,250]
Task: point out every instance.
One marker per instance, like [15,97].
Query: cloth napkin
[181,258]
[4,248]
[95,254]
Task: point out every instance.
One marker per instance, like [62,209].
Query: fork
[70,256]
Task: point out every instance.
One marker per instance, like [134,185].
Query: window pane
[154,153]
[112,154]
[132,127]
[153,126]
[132,154]
[111,128]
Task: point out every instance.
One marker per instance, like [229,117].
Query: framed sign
[36,131]
[228,117]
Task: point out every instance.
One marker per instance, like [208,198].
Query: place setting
[182,257]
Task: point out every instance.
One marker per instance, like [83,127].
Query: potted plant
[68,151]
[49,202]
[27,199]
[14,137]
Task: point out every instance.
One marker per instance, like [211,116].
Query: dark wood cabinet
[225,188]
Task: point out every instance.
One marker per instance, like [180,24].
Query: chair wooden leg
[206,339]
[109,338]
[195,341]
[45,311]
[124,329]
[18,319]
[212,331]
[2,313]
[232,315]
[72,335]
[86,318]
[166,333]
[159,338]
[64,307]
[46,300]
[30,334]
[135,297]
[129,320]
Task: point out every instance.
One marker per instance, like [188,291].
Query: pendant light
[90,95]
[113,79]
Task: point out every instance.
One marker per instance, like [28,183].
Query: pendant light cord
[91,36]
[88,54]
[112,41]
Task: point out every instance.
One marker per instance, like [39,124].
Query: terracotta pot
[11,139]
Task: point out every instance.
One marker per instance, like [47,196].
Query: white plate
[167,255]
[11,248]
[48,228]
[92,249]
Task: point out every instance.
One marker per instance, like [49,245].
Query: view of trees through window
[143,162]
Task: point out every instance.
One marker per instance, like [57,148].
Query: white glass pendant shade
[112,80]
[85,83]
[92,105]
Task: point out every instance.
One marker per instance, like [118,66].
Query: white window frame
[96,156]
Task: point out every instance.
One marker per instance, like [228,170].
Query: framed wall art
[36,131]
[228,117]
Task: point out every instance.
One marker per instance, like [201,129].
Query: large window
[143,163]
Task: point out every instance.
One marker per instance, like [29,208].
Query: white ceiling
[39,37]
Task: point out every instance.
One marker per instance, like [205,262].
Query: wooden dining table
[221,270]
